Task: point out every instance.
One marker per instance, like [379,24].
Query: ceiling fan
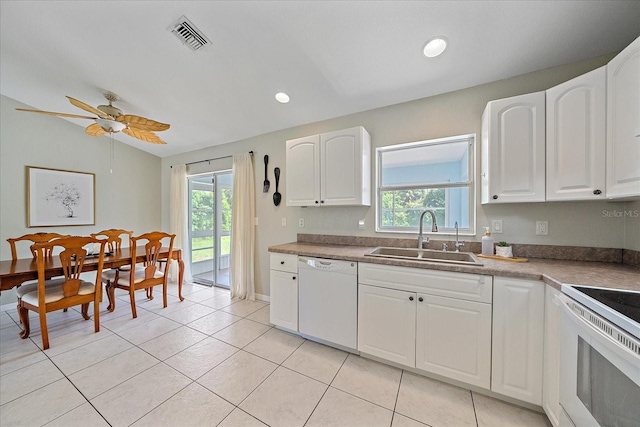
[111,120]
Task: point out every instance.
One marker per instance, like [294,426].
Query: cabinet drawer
[465,286]
[284,262]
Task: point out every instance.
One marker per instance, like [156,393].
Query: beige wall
[456,113]
[129,198]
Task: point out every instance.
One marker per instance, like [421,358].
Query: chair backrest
[112,237]
[153,242]
[33,238]
[72,259]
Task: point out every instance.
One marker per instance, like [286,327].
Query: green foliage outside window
[402,208]
[202,222]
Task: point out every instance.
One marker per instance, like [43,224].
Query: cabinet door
[345,167]
[623,123]
[454,339]
[302,175]
[387,324]
[513,149]
[517,347]
[551,377]
[284,299]
[576,117]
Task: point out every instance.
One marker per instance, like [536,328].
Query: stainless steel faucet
[434,226]
[458,245]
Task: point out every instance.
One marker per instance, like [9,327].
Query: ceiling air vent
[189,35]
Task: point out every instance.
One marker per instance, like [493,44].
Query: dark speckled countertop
[552,272]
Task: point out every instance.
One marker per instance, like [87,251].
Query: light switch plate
[496,226]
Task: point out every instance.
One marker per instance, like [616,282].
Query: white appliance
[599,357]
[328,301]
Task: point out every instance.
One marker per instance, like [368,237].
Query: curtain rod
[210,160]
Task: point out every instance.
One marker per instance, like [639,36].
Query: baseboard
[265,298]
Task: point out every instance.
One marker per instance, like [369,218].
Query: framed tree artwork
[59,197]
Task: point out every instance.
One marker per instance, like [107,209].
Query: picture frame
[58,198]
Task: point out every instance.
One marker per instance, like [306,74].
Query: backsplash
[570,253]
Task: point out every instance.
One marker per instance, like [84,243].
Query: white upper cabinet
[623,123]
[513,149]
[303,171]
[576,129]
[330,169]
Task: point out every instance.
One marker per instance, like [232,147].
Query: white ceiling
[332,57]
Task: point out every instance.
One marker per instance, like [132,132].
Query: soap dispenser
[487,242]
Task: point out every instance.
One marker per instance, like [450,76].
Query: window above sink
[435,174]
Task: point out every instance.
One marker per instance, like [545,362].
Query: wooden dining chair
[32,285]
[151,274]
[113,237]
[72,291]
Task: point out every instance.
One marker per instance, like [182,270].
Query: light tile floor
[212,360]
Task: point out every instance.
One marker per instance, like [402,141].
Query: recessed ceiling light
[282,97]
[434,47]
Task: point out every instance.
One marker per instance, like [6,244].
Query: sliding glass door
[210,218]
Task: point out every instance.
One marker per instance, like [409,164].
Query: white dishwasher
[328,301]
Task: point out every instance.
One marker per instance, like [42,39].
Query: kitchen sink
[429,255]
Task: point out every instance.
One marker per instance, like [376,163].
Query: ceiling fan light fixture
[110,110]
[110,126]
[434,47]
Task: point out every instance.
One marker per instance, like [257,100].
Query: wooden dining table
[15,272]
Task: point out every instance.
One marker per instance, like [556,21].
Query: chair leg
[18,310]
[85,311]
[96,316]
[150,293]
[132,297]
[43,329]
[164,294]
[23,313]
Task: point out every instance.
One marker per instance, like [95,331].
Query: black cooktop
[625,303]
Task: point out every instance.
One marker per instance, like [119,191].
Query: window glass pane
[201,248]
[431,163]
[434,175]
[402,208]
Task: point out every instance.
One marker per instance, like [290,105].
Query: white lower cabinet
[517,346]
[283,283]
[453,339]
[387,324]
[551,378]
[407,316]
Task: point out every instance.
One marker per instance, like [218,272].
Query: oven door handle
[564,302]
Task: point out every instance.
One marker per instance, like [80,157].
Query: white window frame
[470,184]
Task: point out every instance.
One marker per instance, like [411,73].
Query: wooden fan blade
[95,130]
[89,108]
[52,113]
[143,135]
[142,123]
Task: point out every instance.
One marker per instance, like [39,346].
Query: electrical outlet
[284,222]
[542,228]
[301,223]
[496,226]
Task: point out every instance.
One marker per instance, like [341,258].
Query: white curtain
[243,228]
[178,216]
